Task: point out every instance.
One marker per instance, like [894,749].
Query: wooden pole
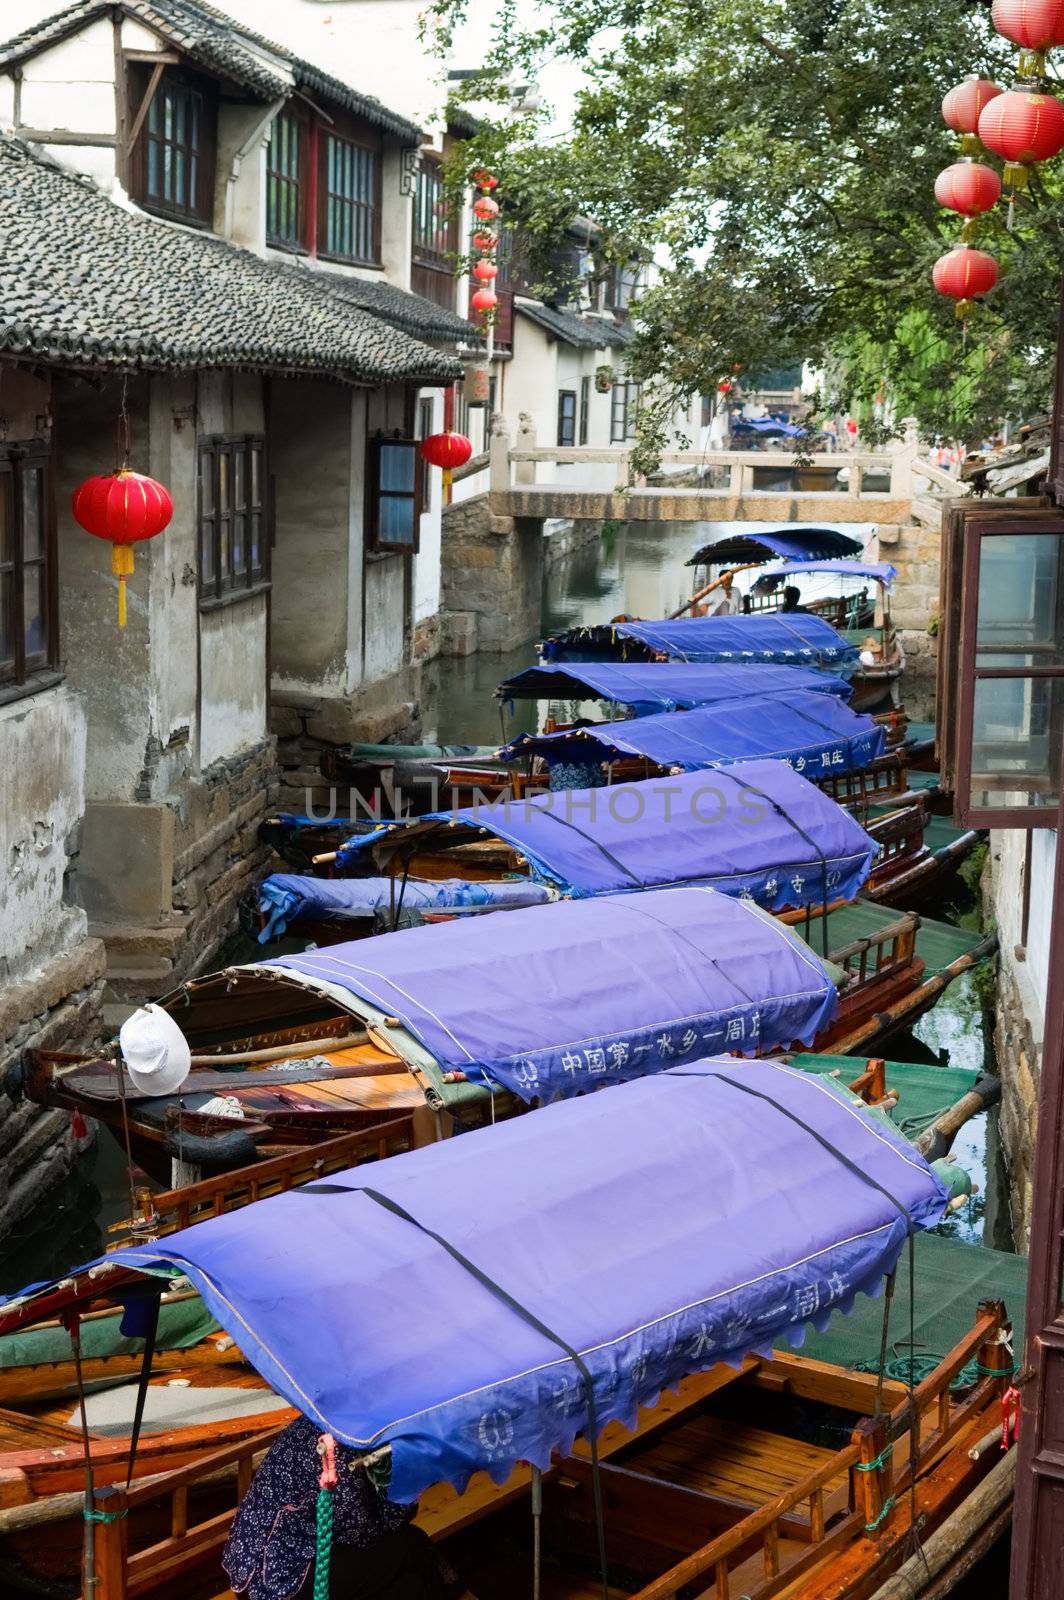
[871,1477]
[911,1580]
[109,1578]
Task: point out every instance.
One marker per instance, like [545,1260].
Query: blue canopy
[555,999]
[816,733]
[797,544]
[660,1228]
[288,898]
[798,639]
[759,829]
[878,571]
[767,425]
[649,686]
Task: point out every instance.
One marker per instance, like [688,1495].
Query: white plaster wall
[427,560]
[356,538]
[232,679]
[42,798]
[1009,851]
[173,603]
[72,85]
[1043,862]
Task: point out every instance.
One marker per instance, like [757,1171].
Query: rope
[888,1507]
[874,1466]
[104,1516]
[324,1518]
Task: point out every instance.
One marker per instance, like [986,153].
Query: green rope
[888,1507]
[873,1466]
[104,1516]
[323,1545]
[996,1372]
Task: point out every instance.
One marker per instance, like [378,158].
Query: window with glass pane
[232,517]
[1012,670]
[396,495]
[566,416]
[433,241]
[624,411]
[28,631]
[172,170]
[285,156]
[352,202]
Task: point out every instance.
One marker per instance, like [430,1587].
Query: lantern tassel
[447,486]
[122,567]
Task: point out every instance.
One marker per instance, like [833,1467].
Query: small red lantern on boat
[446,450]
[483,300]
[485,271]
[485,208]
[964,274]
[124,507]
[1024,127]
[968,187]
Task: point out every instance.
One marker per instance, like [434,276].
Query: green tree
[781,155]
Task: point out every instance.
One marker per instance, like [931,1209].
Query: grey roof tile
[216,41]
[86,281]
[413,313]
[585,332]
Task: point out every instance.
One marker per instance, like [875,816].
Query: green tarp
[924,1092]
[182,1323]
[937,943]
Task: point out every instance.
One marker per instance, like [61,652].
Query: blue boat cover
[796,544]
[816,733]
[649,686]
[799,639]
[756,829]
[555,999]
[662,1227]
[878,571]
[287,898]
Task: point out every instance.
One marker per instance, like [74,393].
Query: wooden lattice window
[286,179]
[566,416]
[396,483]
[233,530]
[29,633]
[351,200]
[173,161]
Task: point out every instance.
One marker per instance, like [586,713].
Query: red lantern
[485,208]
[963,274]
[485,241]
[484,300]
[484,180]
[446,450]
[485,271]
[968,187]
[1032,24]
[1024,127]
[124,507]
[963,105]
[724,386]
[851,426]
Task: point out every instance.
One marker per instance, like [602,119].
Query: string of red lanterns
[486,210]
[1024,125]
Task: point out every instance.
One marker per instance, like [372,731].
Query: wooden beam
[145,106]
[64,136]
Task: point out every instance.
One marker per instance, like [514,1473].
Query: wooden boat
[778,1475]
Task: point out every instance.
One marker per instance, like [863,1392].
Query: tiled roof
[220,43]
[585,332]
[413,313]
[86,281]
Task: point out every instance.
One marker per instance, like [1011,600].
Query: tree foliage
[781,155]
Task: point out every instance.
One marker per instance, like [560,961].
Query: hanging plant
[605,378]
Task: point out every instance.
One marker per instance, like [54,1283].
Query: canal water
[640,570]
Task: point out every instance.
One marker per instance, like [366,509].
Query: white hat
[155,1051]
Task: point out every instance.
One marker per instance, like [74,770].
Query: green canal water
[640,570]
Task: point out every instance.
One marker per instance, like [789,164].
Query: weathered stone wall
[306,726]
[492,578]
[566,540]
[915,551]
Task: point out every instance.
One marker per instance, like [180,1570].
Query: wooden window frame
[436,255]
[25,674]
[628,410]
[958,654]
[228,583]
[302,182]
[358,139]
[566,418]
[201,213]
[376,545]
[585,409]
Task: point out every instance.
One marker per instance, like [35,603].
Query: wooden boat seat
[736,1462]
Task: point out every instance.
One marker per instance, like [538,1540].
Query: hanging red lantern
[724,386]
[851,426]
[485,241]
[963,105]
[485,208]
[446,450]
[1024,127]
[484,300]
[968,187]
[964,274]
[485,180]
[124,507]
[485,271]
[1032,24]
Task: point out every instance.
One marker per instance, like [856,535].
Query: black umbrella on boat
[796,544]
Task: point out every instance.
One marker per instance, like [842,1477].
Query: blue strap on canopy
[655,1230]
[288,898]
[556,999]
[759,830]
[815,733]
[649,686]
[879,571]
[797,639]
